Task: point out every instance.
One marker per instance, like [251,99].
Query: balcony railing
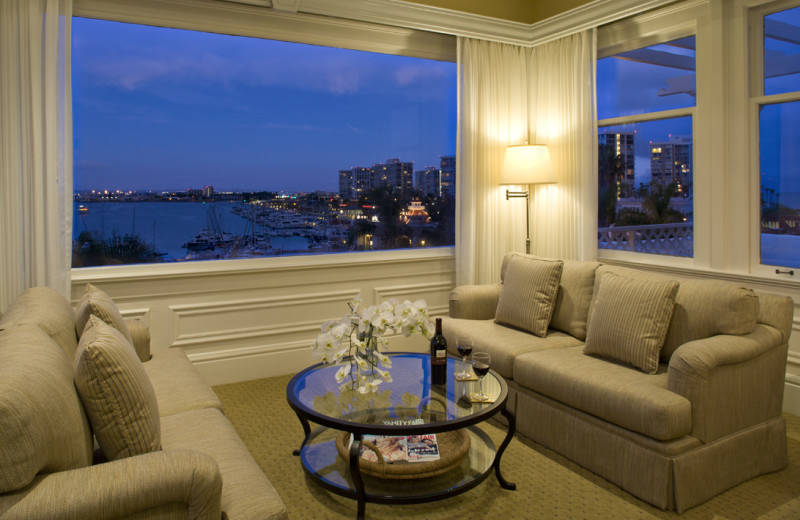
[658,239]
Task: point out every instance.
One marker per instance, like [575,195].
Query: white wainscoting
[246,319]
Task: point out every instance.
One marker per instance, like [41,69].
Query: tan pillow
[94,301]
[42,425]
[629,320]
[529,292]
[116,393]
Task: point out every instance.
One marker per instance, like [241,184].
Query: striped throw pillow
[529,293]
[116,393]
[96,302]
[629,320]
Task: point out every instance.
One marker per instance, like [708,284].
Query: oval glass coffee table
[409,405]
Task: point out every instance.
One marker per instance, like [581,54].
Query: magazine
[422,448]
[400,448]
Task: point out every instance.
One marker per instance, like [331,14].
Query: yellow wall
[525,11]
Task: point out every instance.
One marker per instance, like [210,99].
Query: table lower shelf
[322,462]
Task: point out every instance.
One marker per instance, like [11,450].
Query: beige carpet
[548,485]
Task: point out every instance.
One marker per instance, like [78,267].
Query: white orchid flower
[340,354]
[369,386]
[385,360]
[342,373]
[355,303]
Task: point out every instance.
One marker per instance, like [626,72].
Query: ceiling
[524,11]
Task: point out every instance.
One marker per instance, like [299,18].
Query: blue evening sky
[168,109]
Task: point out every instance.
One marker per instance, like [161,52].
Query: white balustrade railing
[658,239]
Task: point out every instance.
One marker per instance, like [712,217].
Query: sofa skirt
[671,475]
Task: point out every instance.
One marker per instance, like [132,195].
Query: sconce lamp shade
[527,164]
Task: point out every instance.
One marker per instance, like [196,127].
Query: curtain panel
[512,95]
[35,146]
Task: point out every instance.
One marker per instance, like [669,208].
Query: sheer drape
[510,95]
[562,116]
[35,146]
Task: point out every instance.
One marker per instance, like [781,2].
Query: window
[195,145]
[776,97]
[645,104]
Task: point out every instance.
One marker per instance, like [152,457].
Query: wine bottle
[438,356]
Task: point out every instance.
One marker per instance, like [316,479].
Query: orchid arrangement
[357,342]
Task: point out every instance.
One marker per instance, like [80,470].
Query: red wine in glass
[464,346]
[480,369]
[480,364]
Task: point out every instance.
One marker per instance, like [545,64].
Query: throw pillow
[629,320]
[96,302]
[42,425]
[529,292]
[116,393]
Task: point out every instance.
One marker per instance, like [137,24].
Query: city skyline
[167,109]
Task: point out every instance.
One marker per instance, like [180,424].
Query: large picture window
[645,104]
[193,145]
[777,99]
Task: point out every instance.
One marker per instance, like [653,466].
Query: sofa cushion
[177,384]
[529,293]
[116,393]
[615,393]
[571,307]
[703,308]
[246,491]
[42,425]
[96,302]
[48,310]
[503,343]
[630,319]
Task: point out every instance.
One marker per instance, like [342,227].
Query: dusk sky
[167,109]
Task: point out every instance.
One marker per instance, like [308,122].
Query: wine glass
[464,346]
[480,365]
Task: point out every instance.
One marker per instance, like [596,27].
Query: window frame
[641,31]
[239,19]
[756,11]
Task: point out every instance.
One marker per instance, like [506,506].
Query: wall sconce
[526,164]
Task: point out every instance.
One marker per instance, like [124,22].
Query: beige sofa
[195,465]
[706,419]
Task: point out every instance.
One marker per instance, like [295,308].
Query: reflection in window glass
[646,187]
[651,79]
[782,52]
[780,184]
[192,145]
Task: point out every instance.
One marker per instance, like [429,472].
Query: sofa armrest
[474,302]
[184,482]
[141,337]
[733,382]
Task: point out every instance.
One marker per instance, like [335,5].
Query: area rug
[549,486]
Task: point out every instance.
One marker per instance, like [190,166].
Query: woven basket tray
[453,447]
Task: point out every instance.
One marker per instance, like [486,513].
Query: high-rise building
[355,182]
[619,144]
[346,184]
[394,173]
[448,175]
[428,181]
[671,161]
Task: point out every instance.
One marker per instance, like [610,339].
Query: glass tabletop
[409,402]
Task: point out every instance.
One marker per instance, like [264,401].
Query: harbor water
[167,225]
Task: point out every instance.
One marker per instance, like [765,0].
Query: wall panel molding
[240,320]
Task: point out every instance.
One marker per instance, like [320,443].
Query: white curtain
[512,95]
[35,146]
[562,116]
